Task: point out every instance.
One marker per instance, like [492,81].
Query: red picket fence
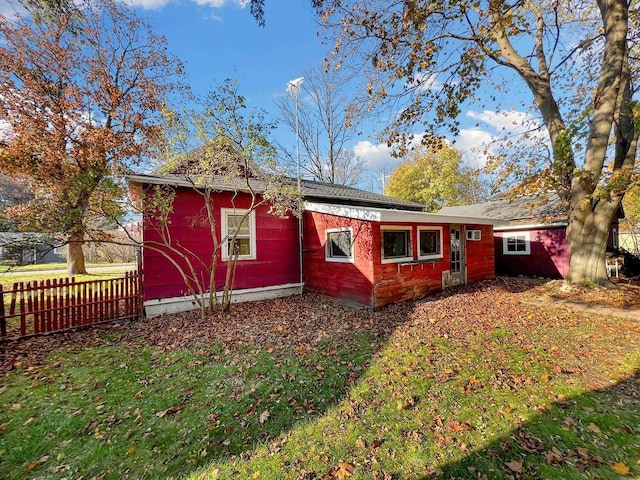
[38,307]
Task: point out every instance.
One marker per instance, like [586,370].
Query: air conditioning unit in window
[474,235]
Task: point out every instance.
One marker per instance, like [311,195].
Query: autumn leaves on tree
[575,59]
[435,177]
[81,91]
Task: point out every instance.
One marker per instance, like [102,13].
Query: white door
[457,256]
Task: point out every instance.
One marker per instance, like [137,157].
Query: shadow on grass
[158,398]
[592,435]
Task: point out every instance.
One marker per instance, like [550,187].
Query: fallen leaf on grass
[594,428]
[342,471]
[515,466]
[264,416]
[554,456]
[457,426]
[35,463]
[620,468]
[528,442]
[169,411]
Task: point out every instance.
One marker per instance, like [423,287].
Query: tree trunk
[587,237]
[75,255]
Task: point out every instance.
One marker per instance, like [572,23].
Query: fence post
[3,320]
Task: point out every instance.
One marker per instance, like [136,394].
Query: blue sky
[219,39]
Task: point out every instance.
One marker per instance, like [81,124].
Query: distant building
[25,248]
[534,242]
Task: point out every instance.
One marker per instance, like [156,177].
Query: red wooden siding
[276,247]
[370,282]
[395,282]
[549,257]
[480,254]
[353,281]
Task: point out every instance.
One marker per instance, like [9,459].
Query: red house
[356,245]
[533,243]
[375,256]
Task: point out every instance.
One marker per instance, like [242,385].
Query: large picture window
[396,244]
[339,245]
[244,222]
[516,243]
[430,243]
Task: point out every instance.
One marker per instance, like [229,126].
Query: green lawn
[437,396]
[55,266]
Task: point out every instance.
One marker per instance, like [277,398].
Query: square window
[516,243]
[339,245]
[396,244]
[242,225]
[430,243]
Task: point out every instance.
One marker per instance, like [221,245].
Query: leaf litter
[576,346]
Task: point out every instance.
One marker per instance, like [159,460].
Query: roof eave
[396,216]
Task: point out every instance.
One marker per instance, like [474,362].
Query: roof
[25,238]
[389,215]
[545,209]
[311,191]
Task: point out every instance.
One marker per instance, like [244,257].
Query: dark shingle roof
[311,191]
[540,209]
[332,193]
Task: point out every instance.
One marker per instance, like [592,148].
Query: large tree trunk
[587,236]
[75,255]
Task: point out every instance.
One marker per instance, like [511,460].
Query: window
[430,243]
[339,245]
[244,222]
[474,235]
[396,244]
[516,243]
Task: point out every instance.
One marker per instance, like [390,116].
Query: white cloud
[476,145]
[221,3]
[156,4]
[428,81]
[512,121]
[376,157]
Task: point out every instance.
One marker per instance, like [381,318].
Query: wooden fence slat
[32,303]
[3,319]
[49,312]
[53,306]
[23,316]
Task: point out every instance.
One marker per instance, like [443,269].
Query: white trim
[224,233]
[431,256]
[328,257]
[396,228]
[527,243]
[401,216]
[531,226]
[162,306]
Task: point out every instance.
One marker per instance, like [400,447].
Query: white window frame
[435,255]
[225,233]
[523,235]
[396,228]
[474,235]
[328,256]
